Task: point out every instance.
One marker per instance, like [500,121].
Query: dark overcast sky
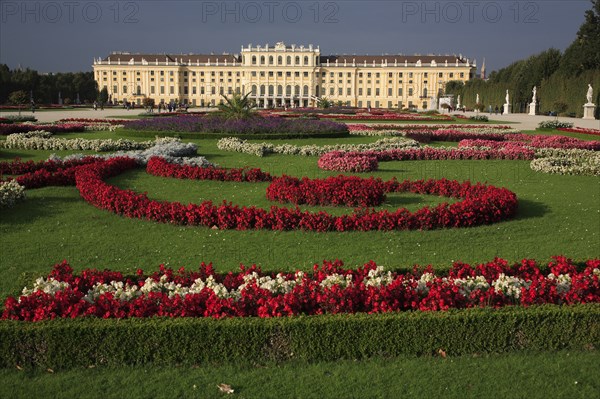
[65,35]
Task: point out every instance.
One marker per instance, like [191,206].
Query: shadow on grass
[32,209]
[531,209]
[9,157]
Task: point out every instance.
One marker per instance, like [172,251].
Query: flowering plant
[329,288]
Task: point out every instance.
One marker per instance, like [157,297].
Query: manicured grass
[520,375]
[557,215]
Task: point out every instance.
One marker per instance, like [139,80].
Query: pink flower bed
[348,162]
[328,289]
[93,121]
[52,128]
[537,141]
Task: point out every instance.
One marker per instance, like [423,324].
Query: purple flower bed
[230,126]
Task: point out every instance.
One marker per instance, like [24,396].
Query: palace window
[369,91]
[124,89]
[360,91]
[349,91]
[377,92]
[253,60]
[305,60]
[389,92]
[410,92]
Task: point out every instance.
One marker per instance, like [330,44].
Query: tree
[18,98]
[103,96]
[324,103]
[584,53]
[237,106]
[560,107]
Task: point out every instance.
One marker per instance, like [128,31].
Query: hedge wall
[62,344]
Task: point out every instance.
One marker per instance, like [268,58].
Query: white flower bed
[36,133]
[102,127]
[20,141]
[169,148]
[567,162]
[262,149]
[554,124]
[10,193]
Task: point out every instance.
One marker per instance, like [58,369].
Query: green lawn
[547,375]
[557,215]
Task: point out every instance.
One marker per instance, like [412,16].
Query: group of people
[172,106]
[96,106]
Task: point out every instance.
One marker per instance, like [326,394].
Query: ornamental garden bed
[257,127]
[123,245]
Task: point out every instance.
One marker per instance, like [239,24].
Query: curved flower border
[480,205]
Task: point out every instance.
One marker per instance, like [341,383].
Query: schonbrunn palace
[281,76]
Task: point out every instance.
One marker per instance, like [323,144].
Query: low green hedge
[61,344]
[266,136]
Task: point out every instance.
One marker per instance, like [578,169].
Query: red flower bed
[27,127]
[160,167]
[329,289]
[593,132]
[480,205]
[44,173]
[342,190]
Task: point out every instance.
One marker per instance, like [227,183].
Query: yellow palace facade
[281,76]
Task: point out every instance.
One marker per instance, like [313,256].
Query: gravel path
[521,121]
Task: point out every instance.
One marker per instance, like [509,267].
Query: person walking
[95,105]
[32,107]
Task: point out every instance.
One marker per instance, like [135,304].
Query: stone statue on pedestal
[507,98]
[589,109]
[534,94]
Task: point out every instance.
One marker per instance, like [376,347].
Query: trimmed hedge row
[187,135]
[62,344]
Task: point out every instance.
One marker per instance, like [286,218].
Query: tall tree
[584,53]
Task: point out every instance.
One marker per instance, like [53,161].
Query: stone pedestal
[588,111]
[532,107]
[506,109]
